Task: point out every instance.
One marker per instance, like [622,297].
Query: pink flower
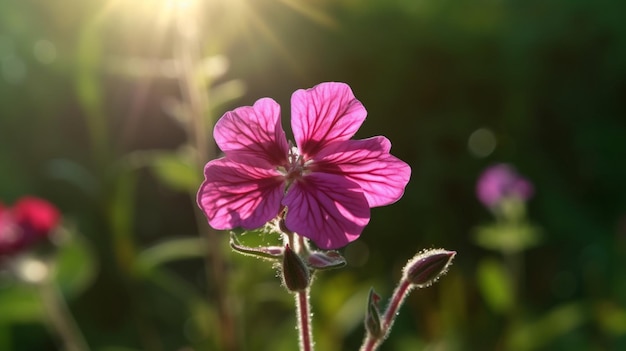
[500,181]
[327,182]
[29,220]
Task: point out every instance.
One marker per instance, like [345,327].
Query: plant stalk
[194,89]
[60,317]
[372,343]
[303,309]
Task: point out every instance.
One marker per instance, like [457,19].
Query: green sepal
[373,323]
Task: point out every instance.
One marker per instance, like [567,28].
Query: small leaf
[372,316]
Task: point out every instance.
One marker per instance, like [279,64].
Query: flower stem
[60,318]
[371,342]
[304,320]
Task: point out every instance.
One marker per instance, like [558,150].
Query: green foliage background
[547,77]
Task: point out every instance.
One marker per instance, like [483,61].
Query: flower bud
[295,272]
[427,266]
[372,316]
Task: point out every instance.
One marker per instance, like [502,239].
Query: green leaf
[20,303]
[225,93]
[176,171]
[507,237]
[611,318]
[74,267]
[495,285]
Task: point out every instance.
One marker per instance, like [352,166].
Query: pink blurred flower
[29,220]
[327,182]
[500,181]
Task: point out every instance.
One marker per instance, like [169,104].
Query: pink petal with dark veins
[367,162]
[325,113]
[238,195]
[326,208]
[253,135]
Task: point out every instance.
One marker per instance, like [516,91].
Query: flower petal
[237,195]
[326,208]
[368,163]
[325,113]
[36,214]
[29,220]
[253,135]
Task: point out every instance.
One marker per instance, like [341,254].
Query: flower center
[297,166]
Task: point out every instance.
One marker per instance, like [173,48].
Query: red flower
[22,225]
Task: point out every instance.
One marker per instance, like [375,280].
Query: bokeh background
[106,109]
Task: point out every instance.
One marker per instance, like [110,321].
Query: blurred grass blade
[75,174]
[175,169]
[495,285]
[89,86]
[169,251]
[177,172]
[538,334]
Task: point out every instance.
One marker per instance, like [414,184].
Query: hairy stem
[304,320]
